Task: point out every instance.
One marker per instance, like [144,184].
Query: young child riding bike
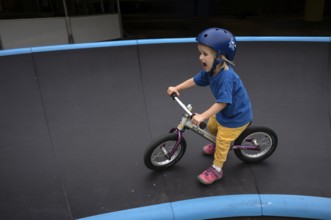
[231,113]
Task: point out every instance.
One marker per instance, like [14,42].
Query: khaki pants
[224,137]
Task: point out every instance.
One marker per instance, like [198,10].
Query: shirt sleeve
[201,79]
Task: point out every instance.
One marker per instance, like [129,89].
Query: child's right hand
[172,90]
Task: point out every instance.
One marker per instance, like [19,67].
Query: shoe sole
[206,183]
[208,154]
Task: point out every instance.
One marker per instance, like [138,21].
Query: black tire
[155,159]
[266,138]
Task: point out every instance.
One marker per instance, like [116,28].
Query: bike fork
[174,148]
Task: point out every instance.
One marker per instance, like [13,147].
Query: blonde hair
[223,65]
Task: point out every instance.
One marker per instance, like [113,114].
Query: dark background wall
[157,19]
[190,8]
[161,18]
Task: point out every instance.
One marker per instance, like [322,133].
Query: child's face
[207,56]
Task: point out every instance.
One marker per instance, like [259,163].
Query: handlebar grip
[173,95]
[202,125]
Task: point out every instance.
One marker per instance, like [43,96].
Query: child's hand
[172,90]
[197,119]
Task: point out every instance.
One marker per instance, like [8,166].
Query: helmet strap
[216,62]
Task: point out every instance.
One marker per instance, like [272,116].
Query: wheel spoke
[159,157]
[263,140]
[158,153]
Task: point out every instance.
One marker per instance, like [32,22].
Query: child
[231,113]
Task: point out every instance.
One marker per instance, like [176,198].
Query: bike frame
[185,123]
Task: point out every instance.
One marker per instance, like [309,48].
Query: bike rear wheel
[155,156]
[265,137]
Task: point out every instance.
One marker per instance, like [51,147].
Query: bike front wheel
[266,139]
[155,157]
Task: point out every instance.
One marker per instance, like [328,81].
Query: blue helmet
[221,40]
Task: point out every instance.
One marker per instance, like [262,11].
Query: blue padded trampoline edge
[229,206]
[17,51]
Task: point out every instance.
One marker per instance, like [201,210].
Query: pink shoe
[209,176]
[209,149]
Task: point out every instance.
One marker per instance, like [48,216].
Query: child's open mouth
[204,65]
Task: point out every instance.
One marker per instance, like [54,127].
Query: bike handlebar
[174,96]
